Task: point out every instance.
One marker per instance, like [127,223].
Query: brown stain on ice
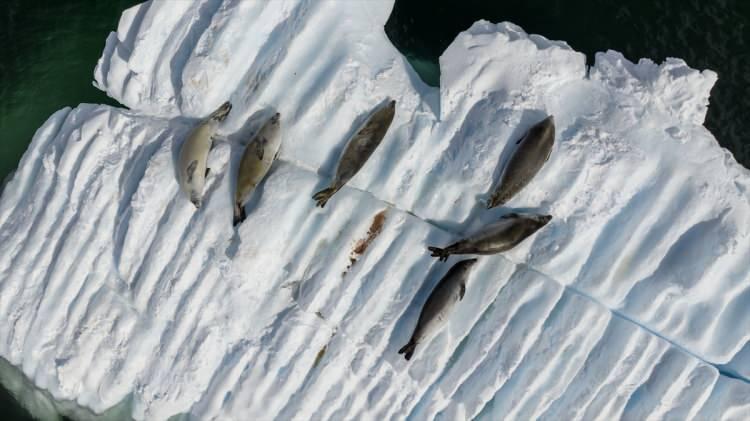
[322,353]
[320,356]
[361,245]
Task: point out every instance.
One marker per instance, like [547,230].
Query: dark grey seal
[358,150]
[532,152]
[449,291]
[498,237]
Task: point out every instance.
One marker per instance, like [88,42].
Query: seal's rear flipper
[408,349]
[239,214]
[195,199]
[322,196]
[441,254]
[493,202]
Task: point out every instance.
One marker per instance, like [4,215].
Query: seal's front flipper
[208,170]
[322,196]
[216,139]
[191,170]
[408,349]
[259,149]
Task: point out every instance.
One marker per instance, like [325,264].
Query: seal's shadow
[328,168]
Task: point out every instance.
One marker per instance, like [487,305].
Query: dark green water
[707,34]
[48,50]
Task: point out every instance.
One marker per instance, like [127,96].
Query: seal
[498,237]
[532,152]
[358,150]
[192,170]
[257,159]
[443,298]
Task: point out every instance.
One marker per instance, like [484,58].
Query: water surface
[49,50]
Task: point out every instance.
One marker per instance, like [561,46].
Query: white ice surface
[632,303]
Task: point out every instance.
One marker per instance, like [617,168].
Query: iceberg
[630,304]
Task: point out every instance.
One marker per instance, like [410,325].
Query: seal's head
[273,123]
[536,222]
[222,112]
[386,111]
[544,128]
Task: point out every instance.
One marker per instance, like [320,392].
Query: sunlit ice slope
[630,304]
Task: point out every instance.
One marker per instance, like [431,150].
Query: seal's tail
[408,349]
[322,196]
[498,198]
[196,199]
[441,254]
[239,214]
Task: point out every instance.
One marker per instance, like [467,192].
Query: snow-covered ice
[631,303]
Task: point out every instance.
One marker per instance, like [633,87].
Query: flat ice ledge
[675,87]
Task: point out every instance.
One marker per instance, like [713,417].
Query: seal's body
[441,302]
[255,164]
[358,150]
[192,170]
[532,152]
[501,236]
